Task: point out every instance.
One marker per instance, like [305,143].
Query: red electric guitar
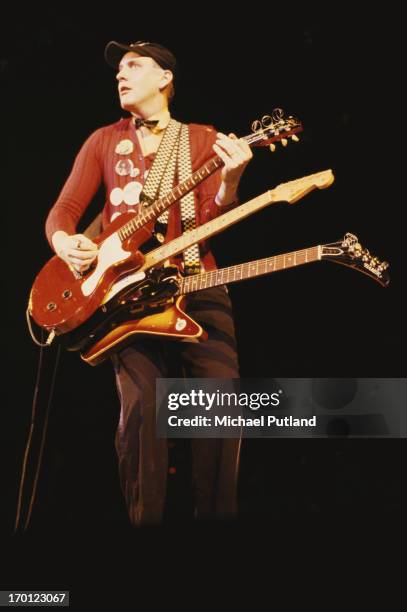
[62,299]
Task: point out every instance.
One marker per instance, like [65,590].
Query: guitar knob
[272,147]
[295,138]
[284,142]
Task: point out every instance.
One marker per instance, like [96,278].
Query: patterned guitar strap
[160,182]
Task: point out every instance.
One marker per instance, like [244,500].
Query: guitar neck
[208,229]
[249,269]
[286,192]
[156,208]
[159,206]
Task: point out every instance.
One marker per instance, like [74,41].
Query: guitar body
[167,318]
[172,323]
[61,299]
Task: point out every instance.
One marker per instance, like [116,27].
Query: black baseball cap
[114,52]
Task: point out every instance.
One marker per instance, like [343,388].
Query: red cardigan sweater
[96,162]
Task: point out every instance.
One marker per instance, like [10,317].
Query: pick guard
[111,253]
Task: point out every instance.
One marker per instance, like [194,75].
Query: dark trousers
[143,458]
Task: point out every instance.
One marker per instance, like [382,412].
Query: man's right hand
[77,250]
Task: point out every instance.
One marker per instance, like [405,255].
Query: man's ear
[166,78]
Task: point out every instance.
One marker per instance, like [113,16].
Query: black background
[320,320]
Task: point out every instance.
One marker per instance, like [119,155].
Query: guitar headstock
[349,252]
[274,128]
[294,190]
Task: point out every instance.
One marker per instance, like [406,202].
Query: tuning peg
[284,142]
[272,147]
[295,138]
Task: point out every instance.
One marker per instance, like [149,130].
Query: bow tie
[138,122]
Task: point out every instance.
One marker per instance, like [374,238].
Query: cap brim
[114,52]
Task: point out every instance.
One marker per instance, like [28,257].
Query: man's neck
[150,108]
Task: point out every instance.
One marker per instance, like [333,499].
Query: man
[121,155]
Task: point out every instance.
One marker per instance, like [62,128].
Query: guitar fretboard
[159,206]
[249,269]
[155,209]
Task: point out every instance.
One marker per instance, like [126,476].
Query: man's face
[139,79]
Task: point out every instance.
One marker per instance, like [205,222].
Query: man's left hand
[235,154]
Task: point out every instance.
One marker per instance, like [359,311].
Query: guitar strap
[192,261]
[164,164]
[174,157]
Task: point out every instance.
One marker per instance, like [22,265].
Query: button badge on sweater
[125,167]
[125,147]
[116,196]
[131,192]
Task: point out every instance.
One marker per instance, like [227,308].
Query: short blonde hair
[169,90]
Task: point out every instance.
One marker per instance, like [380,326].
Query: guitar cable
[48,341]
[41,344]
